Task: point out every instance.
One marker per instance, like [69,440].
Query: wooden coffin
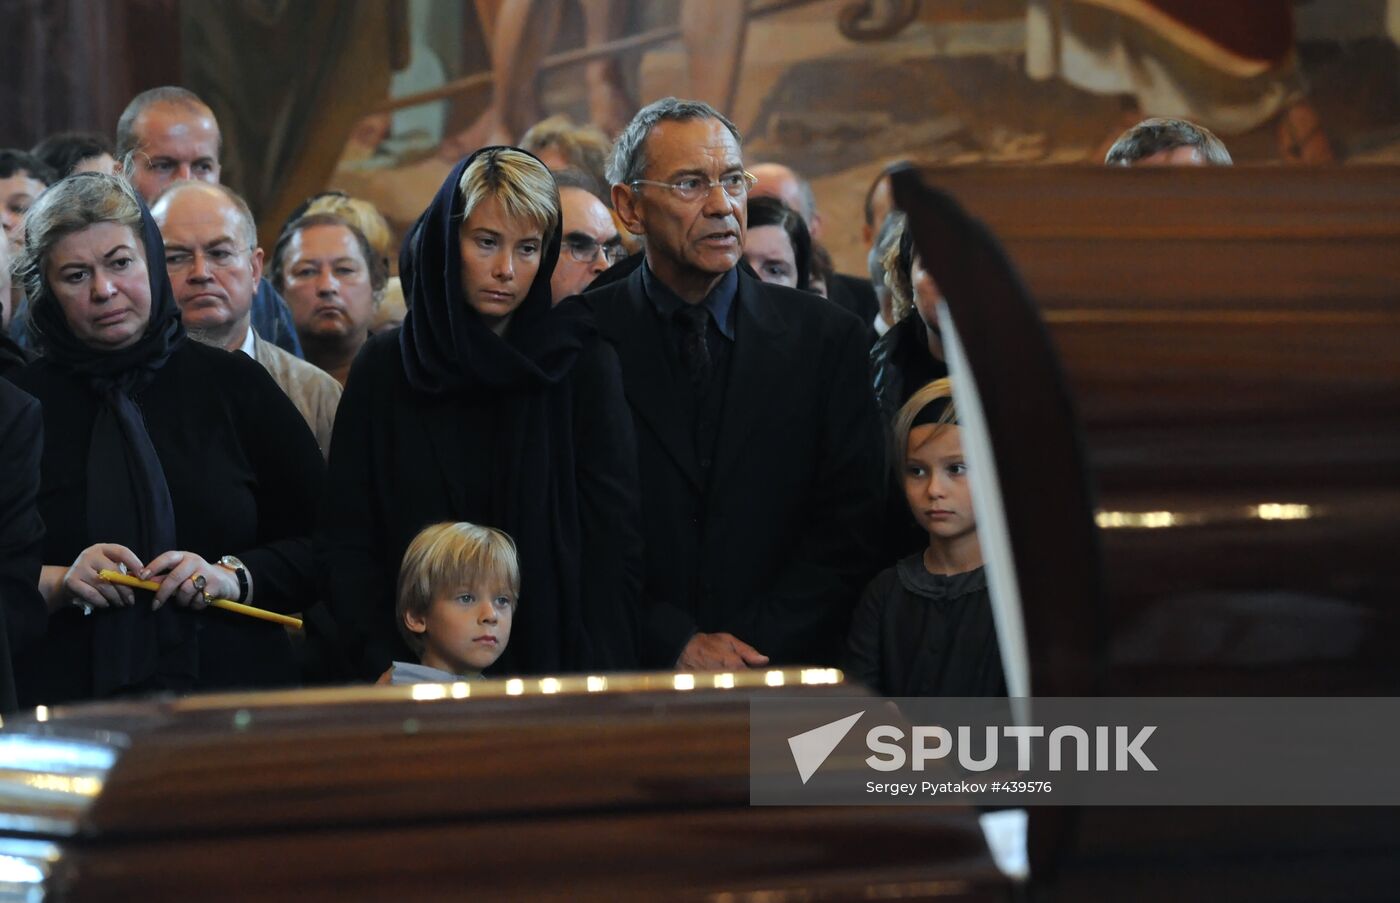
[604,788]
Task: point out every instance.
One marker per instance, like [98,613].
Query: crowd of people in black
[615,384]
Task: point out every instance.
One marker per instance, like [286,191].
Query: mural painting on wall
[837,88]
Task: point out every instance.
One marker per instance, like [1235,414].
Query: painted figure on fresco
[521,32]
[1231,67]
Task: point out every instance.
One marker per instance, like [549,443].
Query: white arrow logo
[810,748]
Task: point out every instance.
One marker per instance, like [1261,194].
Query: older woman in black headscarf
[492,407]
[181,463]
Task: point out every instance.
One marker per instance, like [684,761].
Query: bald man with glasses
[215,266]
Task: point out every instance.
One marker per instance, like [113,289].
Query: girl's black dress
[921,634]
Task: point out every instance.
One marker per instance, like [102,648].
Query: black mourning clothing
[901,364]
[528,432]
[244,474]
[761,500]
[922,634]
[21,532]
[158,446]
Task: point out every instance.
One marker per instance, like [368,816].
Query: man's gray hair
[1152,136]
[245,214]
[628,157]
[128,142]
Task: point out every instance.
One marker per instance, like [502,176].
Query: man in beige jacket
[214,263]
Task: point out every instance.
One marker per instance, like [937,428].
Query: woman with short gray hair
[173,461]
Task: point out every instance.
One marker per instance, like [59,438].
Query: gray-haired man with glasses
[760,447]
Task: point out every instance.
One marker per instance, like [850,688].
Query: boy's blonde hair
[445,556]
[521,183]
[904,421]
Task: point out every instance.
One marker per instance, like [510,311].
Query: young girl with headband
[924,626]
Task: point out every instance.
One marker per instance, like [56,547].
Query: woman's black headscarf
[447,347]
[128,501]
[449,350]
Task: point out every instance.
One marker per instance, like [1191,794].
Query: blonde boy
[458,587]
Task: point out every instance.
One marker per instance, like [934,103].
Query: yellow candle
[226,604]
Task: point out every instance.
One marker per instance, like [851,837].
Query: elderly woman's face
[98,275]
[769,251]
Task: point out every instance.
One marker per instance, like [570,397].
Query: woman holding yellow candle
[177,462]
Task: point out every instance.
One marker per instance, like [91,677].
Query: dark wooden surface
[1229,341]
[243,762]
[1117,238]
[392,761]
[637,793]
[709,854]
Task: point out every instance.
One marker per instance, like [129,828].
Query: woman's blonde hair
[521,183]
[586,147]
[445,556]
[362,215]
[904,420]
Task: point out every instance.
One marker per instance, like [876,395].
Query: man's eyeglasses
[585,249]
[693,188]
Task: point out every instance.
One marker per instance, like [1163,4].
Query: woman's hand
[179,575]
[82,583]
